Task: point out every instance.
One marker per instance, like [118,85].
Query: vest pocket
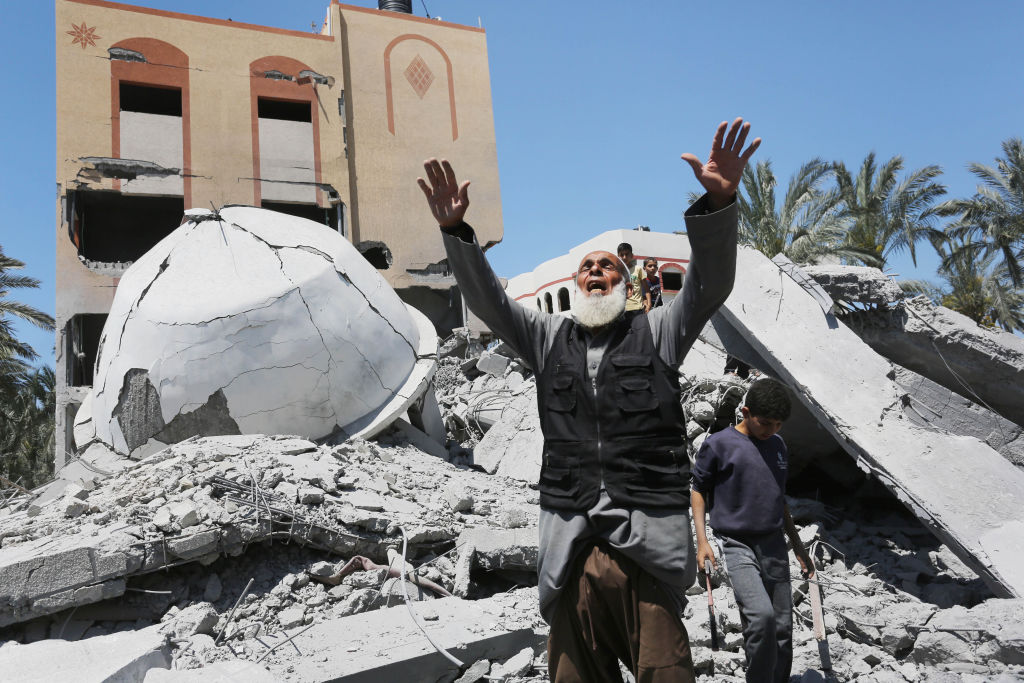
[562,398]
[636,395]
[559,473]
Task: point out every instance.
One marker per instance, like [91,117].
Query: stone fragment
[291,617]
[518,665]
[74,507]
[184,513]
[229,671]
[310,495]
[288,491]
[194,619]
[458,497]
[116,657]
[702,412]
[162,519]
[492,363]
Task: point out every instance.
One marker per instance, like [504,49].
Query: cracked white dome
[251,321]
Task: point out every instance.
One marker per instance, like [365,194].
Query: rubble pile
[275,558]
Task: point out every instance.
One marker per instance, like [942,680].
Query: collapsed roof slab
[983,364]
[386,645]
[969,495]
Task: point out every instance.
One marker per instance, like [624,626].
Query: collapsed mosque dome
[252,321]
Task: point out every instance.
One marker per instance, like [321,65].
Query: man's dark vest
[625,428]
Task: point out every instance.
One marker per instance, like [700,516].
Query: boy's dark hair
[624,246]
[769,398]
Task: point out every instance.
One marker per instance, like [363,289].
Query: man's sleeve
[529,332]
[708,282]
[705,467]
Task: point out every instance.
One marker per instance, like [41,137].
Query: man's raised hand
[721,175]
[447,199]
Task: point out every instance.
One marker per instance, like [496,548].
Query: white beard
[598,310]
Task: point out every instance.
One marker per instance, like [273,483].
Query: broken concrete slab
[855,399]
[983,364]
[494,549]
[514,445]
[116,657]
[856,284]
[230,671]
[991,631]
[307,338]
[930,404]
[386,645]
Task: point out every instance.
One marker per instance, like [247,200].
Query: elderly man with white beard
[615,547]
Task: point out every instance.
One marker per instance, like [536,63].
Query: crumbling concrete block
[983,364]
[856,284]
[306,339]
[502,548]
[386,645]
[514,445]
[492,363]
[118,657]
[991,631]
[230,671]
[860,405]
[927,403]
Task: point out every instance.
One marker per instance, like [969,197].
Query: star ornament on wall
[83,35]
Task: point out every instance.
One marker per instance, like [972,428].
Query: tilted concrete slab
[117,658]
[386,645]
[983,364]
[969,495]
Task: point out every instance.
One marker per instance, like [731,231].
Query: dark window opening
[377,253]
[563,299]
[284,110]
[82,339]
[112,227]
[149,100]
[540,306]
[70,410]
[671,280]
[547,302]
[312,212]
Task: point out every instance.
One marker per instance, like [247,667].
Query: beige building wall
[124,176]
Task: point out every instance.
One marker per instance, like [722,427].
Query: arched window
[547,302]
[672,278]
[563,299]
[540,306]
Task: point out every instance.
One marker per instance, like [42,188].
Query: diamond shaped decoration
[419,76]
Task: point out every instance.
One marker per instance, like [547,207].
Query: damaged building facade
[159,112]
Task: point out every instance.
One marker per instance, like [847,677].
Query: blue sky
[595,101]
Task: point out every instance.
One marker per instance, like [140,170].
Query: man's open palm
[721,175]
[447,199]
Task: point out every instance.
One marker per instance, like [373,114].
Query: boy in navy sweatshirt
[740,477]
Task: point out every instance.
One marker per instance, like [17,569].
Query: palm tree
[807,227]
[886,215]
[976,287]
[27,428]
[15,354]
[992,221]
[26,395]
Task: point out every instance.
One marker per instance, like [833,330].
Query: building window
[109,227]
[146,99]
[671,279]
[287,164]
[563,299]
[82,343]
[540,306]
[150,129]
[547,302]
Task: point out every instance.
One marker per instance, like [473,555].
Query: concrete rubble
[985,365]
[776,325]
[280,558]
[168,544]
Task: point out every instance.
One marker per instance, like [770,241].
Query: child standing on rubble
[740,477]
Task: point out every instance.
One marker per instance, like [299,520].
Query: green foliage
[808,227]
[991,223]
[27,400]
[885,215]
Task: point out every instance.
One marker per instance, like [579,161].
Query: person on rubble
[615,549]
[740,476]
